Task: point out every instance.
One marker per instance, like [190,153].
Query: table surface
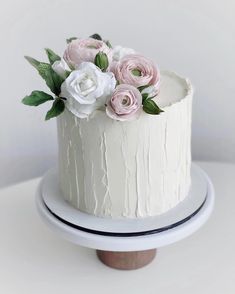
[34,260]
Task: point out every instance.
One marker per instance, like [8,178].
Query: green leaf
[108,44]
[96,36]
[152,97]
[56,109]
[144,97]
[36,98]
[141,88]
[67,73]
[136,72]
[32,61]
[101,60]
[69,40]
[52,56]
[150,107]
[52,79]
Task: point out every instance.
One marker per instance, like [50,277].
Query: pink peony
[136,70]
[125,103]
[81,50]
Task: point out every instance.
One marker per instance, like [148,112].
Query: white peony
[87,89]
[61,68]
[119,52]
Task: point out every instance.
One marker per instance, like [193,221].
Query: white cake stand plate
[126,243]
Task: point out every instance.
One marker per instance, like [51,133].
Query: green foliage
[56,109]
[144,96]
[69,40]
[101,60]
[96,36]
[32,61]
[52,56]
[52,79]
[136,72]
[150,107]
[108,44]
[36,98]
[141,88]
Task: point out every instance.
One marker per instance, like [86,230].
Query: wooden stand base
[126,260]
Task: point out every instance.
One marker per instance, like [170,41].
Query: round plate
[66,213]
[133,243]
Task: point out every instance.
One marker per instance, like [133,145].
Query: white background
[193,38]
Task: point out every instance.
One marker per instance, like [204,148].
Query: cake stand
[126,243]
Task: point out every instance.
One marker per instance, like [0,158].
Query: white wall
[193,38]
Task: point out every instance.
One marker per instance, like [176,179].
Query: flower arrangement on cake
[93,75]
[117,157]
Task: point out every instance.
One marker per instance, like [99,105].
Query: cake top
[173,89]
[92,75]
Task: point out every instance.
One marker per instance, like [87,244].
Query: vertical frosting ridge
[126,169]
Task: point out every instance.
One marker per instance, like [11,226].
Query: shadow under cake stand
[126,243]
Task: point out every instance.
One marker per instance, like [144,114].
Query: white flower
[153,90]
[119,52]
[61,67]
[87,89]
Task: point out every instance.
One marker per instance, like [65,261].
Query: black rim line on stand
[131,234]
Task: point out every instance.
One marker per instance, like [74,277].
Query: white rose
[119,52]
[87,89]
[61,67]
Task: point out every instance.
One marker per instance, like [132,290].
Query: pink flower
[81,50]
[125,103]
[136,70]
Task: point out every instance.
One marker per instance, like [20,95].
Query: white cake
[129,169]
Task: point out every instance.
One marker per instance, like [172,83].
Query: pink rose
[81,50]
[125,103]
[136,70]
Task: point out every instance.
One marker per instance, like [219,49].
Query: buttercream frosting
[131,169]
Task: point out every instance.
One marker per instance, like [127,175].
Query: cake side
[129,169]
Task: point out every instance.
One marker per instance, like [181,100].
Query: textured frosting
[129,169]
